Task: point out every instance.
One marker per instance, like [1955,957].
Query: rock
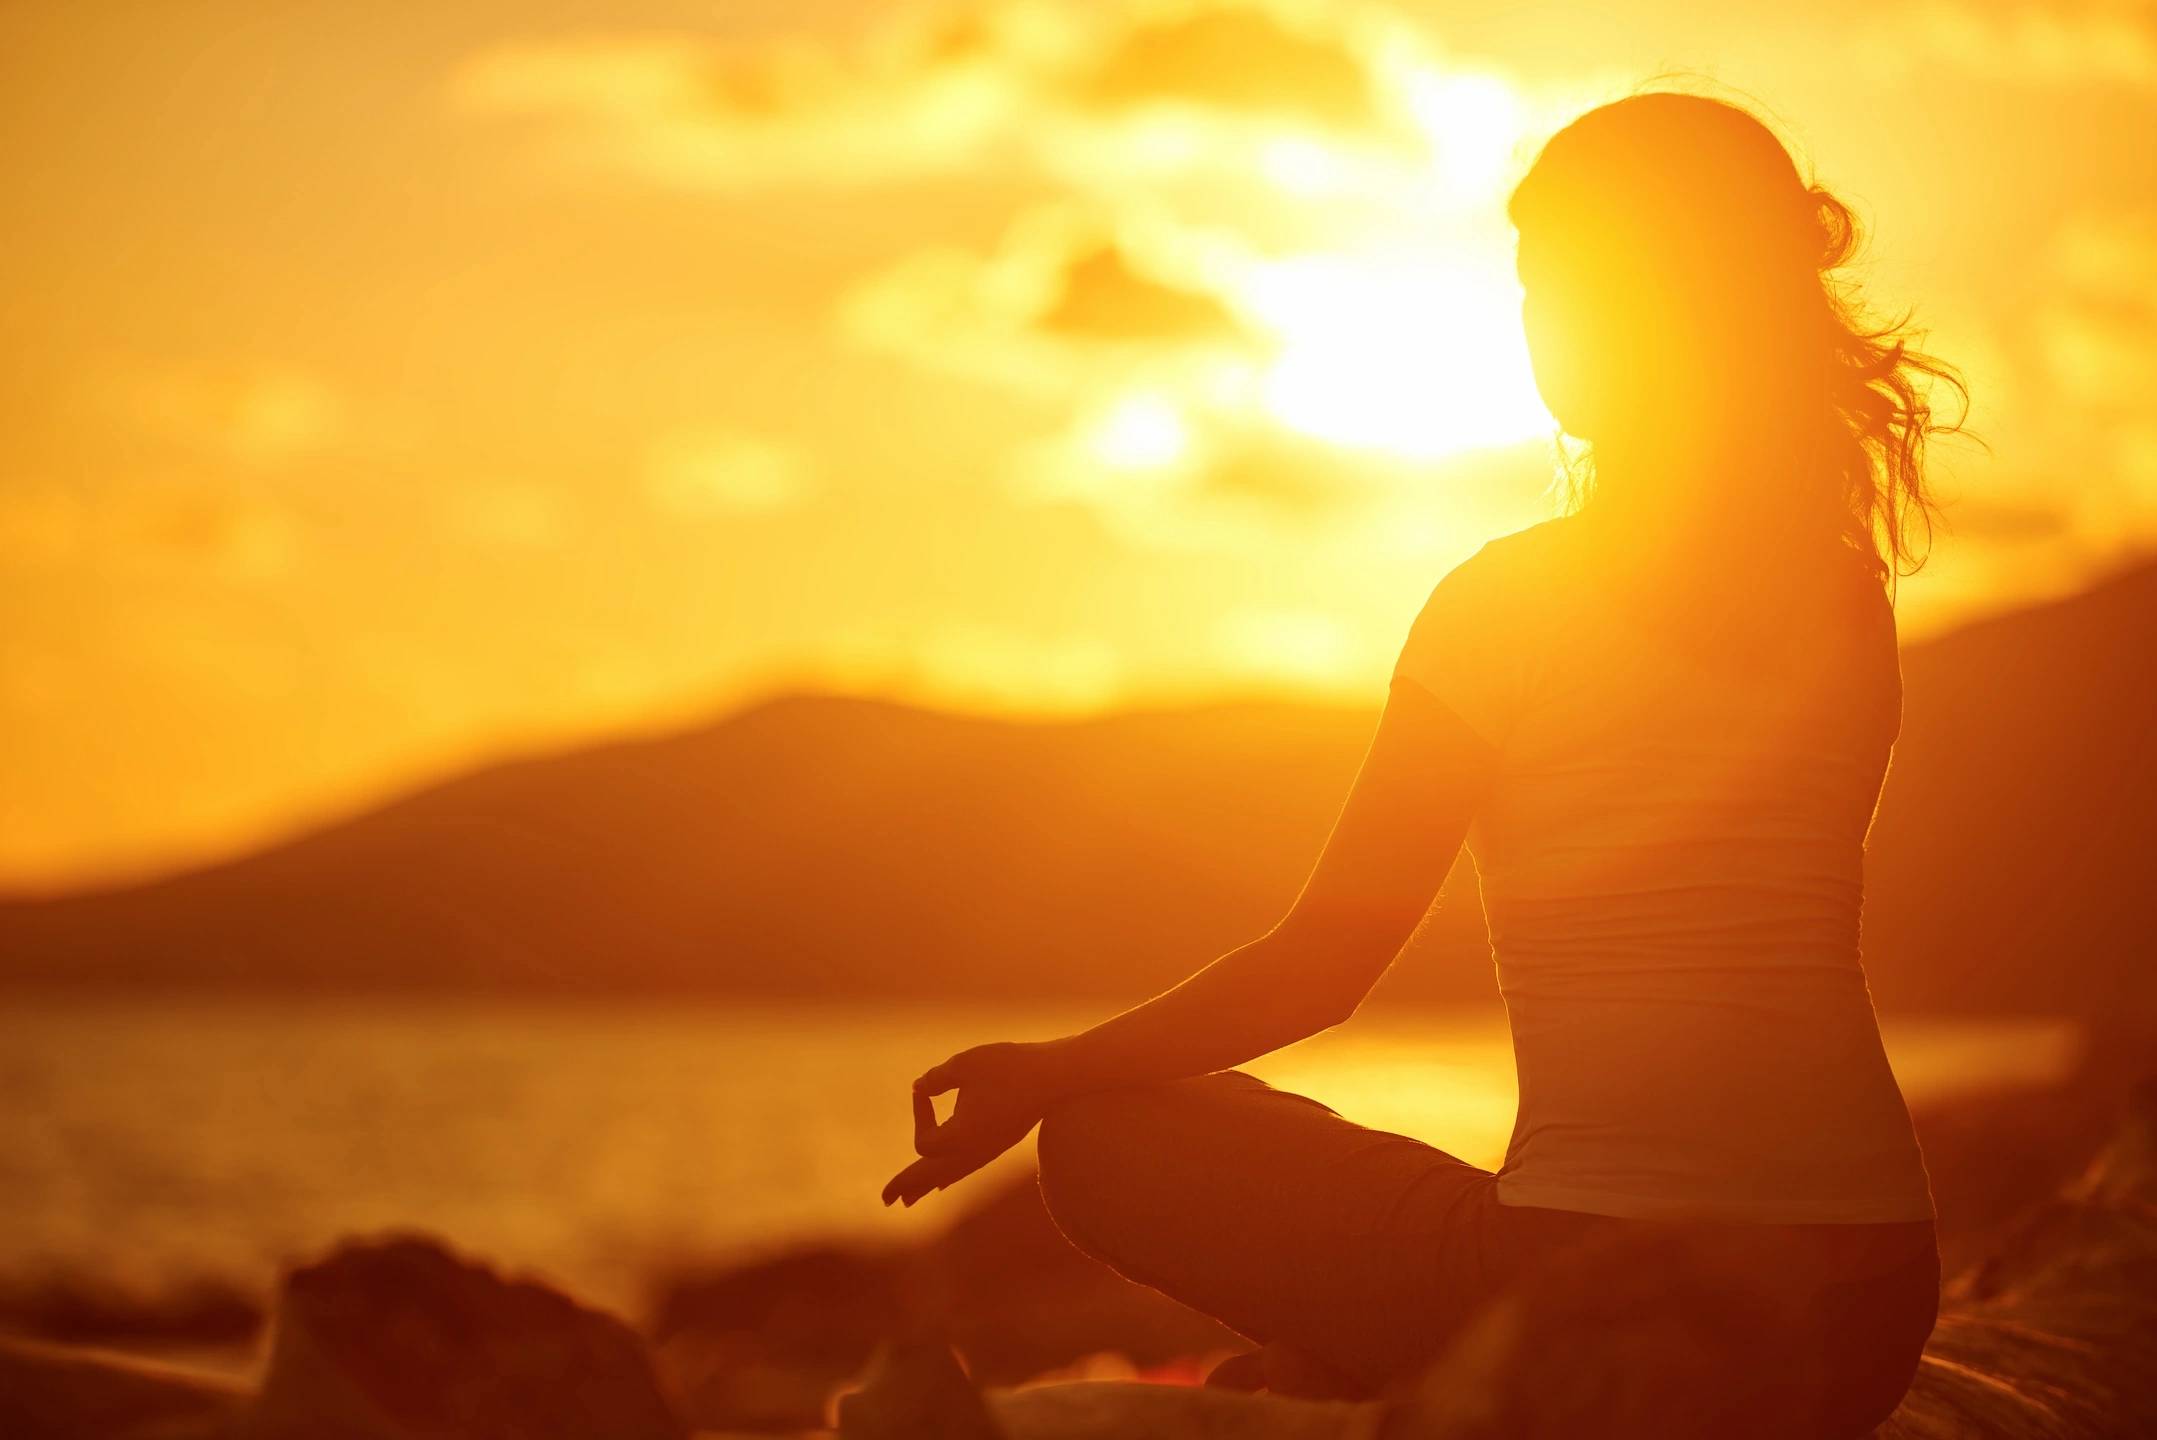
[824,1305]
[202,1313]
[1018,1299]
[2055,1335]
[915,1390]
[53,1392]
[1098,1409]
[1995,1155]
[1593,1347]
[400,1340]
[763,1344]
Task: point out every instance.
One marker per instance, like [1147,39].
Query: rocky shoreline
[2048,1328]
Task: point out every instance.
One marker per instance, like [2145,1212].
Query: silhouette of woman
[1660,723]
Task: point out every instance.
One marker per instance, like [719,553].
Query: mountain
[810,845]
[838,847]
[2014,858]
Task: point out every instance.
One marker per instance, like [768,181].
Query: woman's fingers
[984,1124]
[960,1132]
[938,1078]
[981,1124]
[924,1122]
[933,1172]
[899,1186]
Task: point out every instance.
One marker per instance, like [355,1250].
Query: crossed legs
[1268,1211]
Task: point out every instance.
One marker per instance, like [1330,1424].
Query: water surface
[144,1145]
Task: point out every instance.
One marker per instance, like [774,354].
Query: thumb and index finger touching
[930,1133]
[934,1140]
[949,1075]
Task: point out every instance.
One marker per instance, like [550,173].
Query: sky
[390,388]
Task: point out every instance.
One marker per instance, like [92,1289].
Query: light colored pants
[1371,1251]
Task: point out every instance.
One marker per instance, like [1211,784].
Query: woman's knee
[1086,1136]
[1090,1144]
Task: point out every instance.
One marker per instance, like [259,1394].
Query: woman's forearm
[1255,999]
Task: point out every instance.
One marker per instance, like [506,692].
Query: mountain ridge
[813,844]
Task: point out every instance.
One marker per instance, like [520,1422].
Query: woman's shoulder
[1530,559]
[1855,599]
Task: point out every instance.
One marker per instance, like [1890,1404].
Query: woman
[1660,724]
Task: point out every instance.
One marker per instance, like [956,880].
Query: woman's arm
[1397,835]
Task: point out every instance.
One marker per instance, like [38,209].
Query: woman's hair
[1691,212]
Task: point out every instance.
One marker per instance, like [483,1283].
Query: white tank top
[1671,863]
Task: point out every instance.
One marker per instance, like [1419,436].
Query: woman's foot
[1281,1370]
[1239,1372]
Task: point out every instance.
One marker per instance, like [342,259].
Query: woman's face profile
[1569,346]
[1606,335]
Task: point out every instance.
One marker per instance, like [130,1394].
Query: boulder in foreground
[400,1339]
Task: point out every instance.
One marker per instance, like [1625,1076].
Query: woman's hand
[1004,1089]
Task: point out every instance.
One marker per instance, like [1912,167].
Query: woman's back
[1671,863]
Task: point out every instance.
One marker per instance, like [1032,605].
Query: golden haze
[382,397]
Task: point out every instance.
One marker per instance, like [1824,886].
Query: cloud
[2096,343]
[1274,273]
[688,110]
[153,527]
[1103,295]
[1164,470]
[713,471]
[260,418]
[2135,452]
[1239,60]
[1062,301]
[1290,474]
[204,531]
[42,525]
[978,666]
[511,516]
[1302,647]
[2077,42]
[2100,332]
[1195,149]
[1057,89]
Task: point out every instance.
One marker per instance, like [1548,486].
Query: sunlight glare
[1298,165]
[1420,358]
[1473,122]
[1142,431]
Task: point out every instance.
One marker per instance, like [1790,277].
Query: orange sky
[389,387]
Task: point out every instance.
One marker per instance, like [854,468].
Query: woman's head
[1683,321]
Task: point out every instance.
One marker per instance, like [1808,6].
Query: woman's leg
[1369,1250]
[1272,1213]
[1872,1331]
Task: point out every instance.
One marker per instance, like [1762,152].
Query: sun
[1384,310]
[1421,357]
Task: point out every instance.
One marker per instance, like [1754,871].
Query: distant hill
[2014,858]
[842,847]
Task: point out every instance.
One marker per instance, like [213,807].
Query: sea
[151,1145]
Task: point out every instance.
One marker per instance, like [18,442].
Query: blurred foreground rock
[2056,1333]
[396,1339]
[401,1338]
[202,1312]
[764,1345]
[54,1392]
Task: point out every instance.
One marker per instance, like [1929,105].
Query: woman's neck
[1709,551]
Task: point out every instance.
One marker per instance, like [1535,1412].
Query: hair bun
[1832,229]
